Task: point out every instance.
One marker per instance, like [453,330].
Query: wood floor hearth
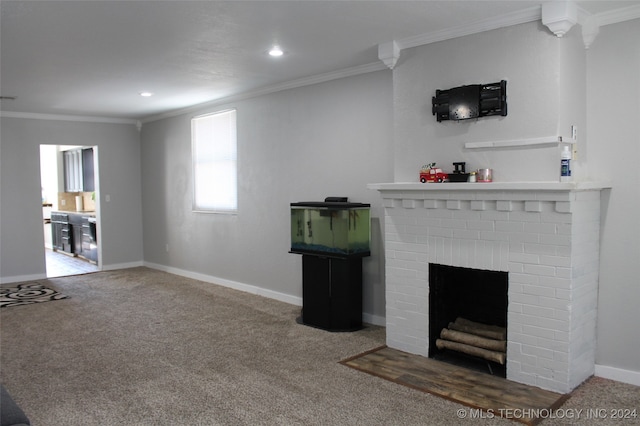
[493,395]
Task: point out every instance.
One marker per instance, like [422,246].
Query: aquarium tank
[334,227]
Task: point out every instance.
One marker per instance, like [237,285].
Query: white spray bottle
[565,164]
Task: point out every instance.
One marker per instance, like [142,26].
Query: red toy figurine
[429,173]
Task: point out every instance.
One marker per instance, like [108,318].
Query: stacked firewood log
[472,338]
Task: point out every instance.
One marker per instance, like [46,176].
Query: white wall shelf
[550,140]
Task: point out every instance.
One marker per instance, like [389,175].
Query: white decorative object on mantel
[559,17]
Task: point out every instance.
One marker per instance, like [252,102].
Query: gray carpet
[143,347]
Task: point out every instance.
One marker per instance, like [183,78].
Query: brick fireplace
[544,235]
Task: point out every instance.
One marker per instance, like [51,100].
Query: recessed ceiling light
[276,51]
[146,94]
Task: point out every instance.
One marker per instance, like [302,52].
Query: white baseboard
[374,319]
[248,288]
[618,374]
[21,278]
[128,265]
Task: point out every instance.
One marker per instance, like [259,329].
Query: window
[215,162]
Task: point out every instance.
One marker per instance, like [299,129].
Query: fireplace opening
[468,317]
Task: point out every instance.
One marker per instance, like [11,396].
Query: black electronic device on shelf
[472,101]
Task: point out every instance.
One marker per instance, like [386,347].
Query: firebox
[468,317]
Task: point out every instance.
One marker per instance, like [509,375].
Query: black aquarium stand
[332,292]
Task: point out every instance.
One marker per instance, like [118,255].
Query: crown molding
[515,18]
[619,15]
[57,117]
[292,84]
[591,23]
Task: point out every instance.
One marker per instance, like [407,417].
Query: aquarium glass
[340,229]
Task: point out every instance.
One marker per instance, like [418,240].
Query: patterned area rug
[25,294]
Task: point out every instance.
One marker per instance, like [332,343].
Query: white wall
[22,254]
[305,144]
[613,108]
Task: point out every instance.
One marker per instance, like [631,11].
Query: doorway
[70,209]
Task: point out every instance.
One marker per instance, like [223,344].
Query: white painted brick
[516,247]
[466,234]
[521,377]
[388,203]
[541,249]
[462,195]
[555,260]
[515,267]
[415,230]
[509,226]
[494,236]
[533,206]
[563,294]
[429,221]
[522,216]
[554,282]
[431,204]
[537,351]
[494,215]
[522,359]
[465,213]
[454,204]
[440,213]
[538,331]
[504,206]
[524,298]
[552,302]
[409,204]
[563,207]
[540,291]
[538,311]
[525,279]
[551,253]
[552,364]
[454,223]
[481,225]
[558,240]
[401,272]
[541,228]
[400,220]
[540,270]
[524,258]
[478,205]
[555,217]
[524,237]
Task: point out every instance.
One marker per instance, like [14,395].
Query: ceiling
[93,58]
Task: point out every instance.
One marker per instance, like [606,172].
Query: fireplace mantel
[545,235]
[491,186]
